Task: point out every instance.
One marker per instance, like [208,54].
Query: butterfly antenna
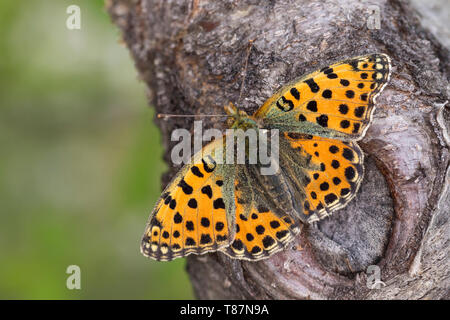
[249,49]
[166,116]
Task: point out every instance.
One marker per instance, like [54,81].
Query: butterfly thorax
[240,119]
[244,123]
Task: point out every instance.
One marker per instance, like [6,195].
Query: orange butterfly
[211,205]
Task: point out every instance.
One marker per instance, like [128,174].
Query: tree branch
[192,55]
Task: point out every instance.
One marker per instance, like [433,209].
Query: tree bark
[193,56]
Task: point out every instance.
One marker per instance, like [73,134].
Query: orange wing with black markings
[261,233]
[334,173]
[261,227]
[334,102]
[191,215]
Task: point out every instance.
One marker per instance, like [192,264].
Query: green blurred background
[80,159]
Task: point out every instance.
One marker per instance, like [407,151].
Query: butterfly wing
[211,206]
[333,171]
[334,102]
[322,174]
[321,115]
[262,228]
[195,213]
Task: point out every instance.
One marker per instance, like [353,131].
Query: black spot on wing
[209,167]
[177,218]
[332,76]
[190,241]
[204,222]
[350,173]
[359,111]
[324,186]
[190,225]
[312,106]
[156,222]
[335,164]
[167,200]
[196,171]
[192,203]
[268,241]
[343,108]
[287,102]
[294,92]
[256,250]
[219,183]
[173,204]
[327,94]
[330,198]
[219,226]
[349,94]
[322,120]
[221,238]
[354,64]
[187,189]
[356,126]
[207,190]
[281,234]
[260,229]
[333,149]
[312,85]
[205,239]
[274,224]
[345,124]
[219,204]
[348,154]
[237,244]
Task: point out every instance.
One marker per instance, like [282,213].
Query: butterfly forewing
[335,102]
[191,215]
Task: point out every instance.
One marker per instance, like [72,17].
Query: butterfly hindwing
[334,171]
[261,234]
[261,228]
[335,102]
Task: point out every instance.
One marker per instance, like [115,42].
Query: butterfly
[232,208]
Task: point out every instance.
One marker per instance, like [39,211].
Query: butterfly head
[239,119]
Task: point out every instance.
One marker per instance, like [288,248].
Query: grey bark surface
[192,56]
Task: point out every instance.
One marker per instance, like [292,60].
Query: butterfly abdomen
[275,188]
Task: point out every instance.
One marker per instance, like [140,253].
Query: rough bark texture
[192,55]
